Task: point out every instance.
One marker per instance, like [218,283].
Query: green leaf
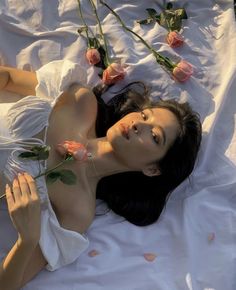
[28,155]
[169,6]
[158,18]
[52,177]
[42,151]
[36,153]
[145,21]
[152,12]
[67,176]
[181,13]
[172,19]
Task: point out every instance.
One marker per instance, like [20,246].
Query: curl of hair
[140,199]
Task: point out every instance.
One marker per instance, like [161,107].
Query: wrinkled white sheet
[195,239]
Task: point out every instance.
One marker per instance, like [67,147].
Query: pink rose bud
[93,56]
[113,74]
[183,71]
[174,39]
[76,149]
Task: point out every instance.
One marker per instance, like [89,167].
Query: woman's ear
[151,170]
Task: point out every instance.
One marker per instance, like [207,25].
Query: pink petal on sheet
[150,257]
[93,253]
[211,237]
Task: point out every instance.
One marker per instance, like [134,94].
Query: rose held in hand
[182,71]
[174,39]
[93,56]
[76,149]
[113,74]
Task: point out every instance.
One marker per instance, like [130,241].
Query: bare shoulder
[84,103]
[83,94]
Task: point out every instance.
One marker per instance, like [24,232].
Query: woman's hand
[24,208]
[4,78]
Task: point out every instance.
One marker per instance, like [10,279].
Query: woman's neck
[102,160]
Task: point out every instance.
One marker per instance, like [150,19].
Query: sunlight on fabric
[190,285]
[189,281]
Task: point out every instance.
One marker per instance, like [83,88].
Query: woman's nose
[138,127]
[135,127]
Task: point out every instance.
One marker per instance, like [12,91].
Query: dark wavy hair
[140,199]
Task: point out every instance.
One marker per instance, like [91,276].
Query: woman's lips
[124,130]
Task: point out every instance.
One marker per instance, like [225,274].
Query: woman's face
[142,138]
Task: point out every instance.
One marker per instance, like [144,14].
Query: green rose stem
[50,170]
[86,26]
[159,58]
[68,158]
[107,60]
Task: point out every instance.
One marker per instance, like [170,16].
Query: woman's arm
[15,270]
[24,209]
[17,81]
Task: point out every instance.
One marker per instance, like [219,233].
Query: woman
[138,153]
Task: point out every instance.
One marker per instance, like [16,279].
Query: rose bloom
[113,74]
[76,149]
[93,56]
[174,39]
[183,71]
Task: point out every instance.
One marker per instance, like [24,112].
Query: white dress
[24,119]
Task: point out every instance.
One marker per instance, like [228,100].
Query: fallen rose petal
[211,237]
[149,257]
[93,253]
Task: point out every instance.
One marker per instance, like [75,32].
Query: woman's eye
[143,116]
[155,138]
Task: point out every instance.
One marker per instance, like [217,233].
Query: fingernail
[7,186]
[19,174]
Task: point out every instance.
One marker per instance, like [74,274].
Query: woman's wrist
[4,78]
[29,243]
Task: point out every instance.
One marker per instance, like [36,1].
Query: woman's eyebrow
[160,128]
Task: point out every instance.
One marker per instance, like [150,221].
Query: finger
[9,197]
[16,190]
[32,185]
[25,190]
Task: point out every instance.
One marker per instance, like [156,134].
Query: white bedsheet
[195,239]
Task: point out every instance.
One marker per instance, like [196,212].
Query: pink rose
[113,74]
[76,149]
[93,56]
[183,71]
[174,39]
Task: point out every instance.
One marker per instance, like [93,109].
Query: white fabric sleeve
[59,246]
[55,77]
